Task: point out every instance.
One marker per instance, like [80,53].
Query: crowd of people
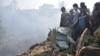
[73,24]
[77,19]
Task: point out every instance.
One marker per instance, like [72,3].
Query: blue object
[82,23]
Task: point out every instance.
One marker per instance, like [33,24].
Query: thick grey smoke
[19,29]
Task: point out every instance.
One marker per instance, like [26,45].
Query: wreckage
[86,45]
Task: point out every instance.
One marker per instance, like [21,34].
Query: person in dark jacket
[65,18]
[95,19]
[83,18]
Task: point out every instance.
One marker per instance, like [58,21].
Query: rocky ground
[45,48]
[42,49]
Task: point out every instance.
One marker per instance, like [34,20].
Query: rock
[90,51]
[42,49]
[97,33]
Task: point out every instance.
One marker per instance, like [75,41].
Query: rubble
[97,33]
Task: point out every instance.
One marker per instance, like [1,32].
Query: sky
[35,4]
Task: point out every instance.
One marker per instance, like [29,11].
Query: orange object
[77,54]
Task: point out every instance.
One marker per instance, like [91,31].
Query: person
[83,18]
[95,19]
[65,18]
[87,9]
[74,20]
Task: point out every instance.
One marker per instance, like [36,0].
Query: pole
[80,42]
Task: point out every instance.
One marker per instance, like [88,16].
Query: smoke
[22,28]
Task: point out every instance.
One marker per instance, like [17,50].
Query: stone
[97,33]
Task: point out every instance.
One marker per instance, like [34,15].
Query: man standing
[75,17]
[83,17]
[65,18]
